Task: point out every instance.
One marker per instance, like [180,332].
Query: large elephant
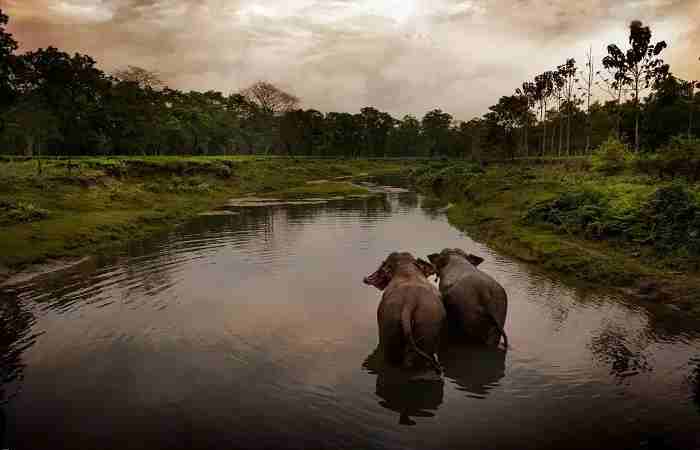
[476,304]
[410,315]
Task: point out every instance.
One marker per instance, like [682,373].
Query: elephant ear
[380,278]
[474,260]
[436,259]
[425,267]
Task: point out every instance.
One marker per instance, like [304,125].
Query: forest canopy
[55,103]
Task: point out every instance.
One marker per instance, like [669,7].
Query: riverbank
[588,227]
[59,210]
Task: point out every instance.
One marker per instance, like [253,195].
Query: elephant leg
[391,341]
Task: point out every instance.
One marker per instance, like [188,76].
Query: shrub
[611,157]
[574,212]
[681,157]
[20,212]
[180,185]
[672,216]
[439,176]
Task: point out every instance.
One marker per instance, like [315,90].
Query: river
[255,330]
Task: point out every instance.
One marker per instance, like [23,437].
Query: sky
[400,56]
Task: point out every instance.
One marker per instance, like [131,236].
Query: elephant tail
[500,329]
[407,325]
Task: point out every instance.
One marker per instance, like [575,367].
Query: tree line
[54,103]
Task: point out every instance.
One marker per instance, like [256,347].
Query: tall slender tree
[529,92]
[567,72]
[544,87]
[586,88]
[639,67]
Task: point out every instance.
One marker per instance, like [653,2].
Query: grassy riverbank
[79,207]
[628,230]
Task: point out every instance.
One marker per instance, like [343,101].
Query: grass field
[59,208]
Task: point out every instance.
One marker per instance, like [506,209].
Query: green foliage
[680,157]
[666,219]
[440,176]
[672,217]
[12,212]
[574,211]
[179,185]
[611,157]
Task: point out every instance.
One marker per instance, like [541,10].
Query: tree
[269,98]
[503,120]
[7,64]
[543,90]
[567,72]
[638,68]
[405,137]
[436,129]
[558,93]
[72,88]
[31,123]
[529,94]
[587,89]
[143,77]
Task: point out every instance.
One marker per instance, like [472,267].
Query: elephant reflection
[402,391]
[475,369]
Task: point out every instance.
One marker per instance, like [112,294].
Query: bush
[575,212]
[611,157]
[20,212]
[180,185]
[681,157]
[668,219]
[672,217]
[439,176]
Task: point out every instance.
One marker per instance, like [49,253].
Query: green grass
[108,201]
[325,189]
[494,204]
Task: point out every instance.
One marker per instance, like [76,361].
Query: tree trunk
[527,143]
[636,116]
[561,130]
[29,150]
[544,132]
[568,130]
[561,134]
[690,112]
[636,131]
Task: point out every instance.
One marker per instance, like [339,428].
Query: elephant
[476,304]
[411,315]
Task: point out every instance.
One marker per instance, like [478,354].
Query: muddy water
[255,331]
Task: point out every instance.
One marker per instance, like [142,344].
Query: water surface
[255,331]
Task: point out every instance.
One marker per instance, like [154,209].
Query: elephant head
[397,261]
[440,260]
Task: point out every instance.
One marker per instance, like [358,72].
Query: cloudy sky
[402,56]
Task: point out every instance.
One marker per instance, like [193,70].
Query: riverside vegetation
[78,207]
[615,219]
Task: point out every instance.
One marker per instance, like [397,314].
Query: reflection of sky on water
[253,329]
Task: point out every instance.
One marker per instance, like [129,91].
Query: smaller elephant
[410,315]
[476,304]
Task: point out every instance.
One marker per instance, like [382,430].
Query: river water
[255,331]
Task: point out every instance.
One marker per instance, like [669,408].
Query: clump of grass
[179,185]
[20,212]
[612,157]
[327,189]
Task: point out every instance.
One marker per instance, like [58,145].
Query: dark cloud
[403,56]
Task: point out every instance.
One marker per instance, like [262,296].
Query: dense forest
[54,103]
